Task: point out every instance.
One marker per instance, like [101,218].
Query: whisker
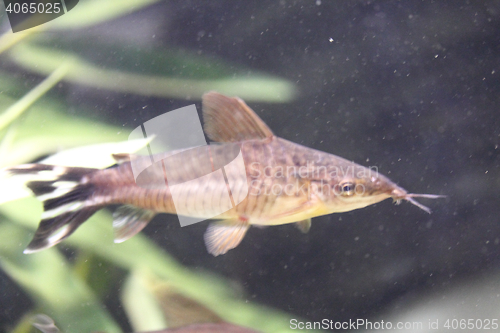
[409,197]
[428,196]
[418,204]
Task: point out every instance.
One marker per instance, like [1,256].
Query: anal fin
[304,225]
[223,236]
[129,220]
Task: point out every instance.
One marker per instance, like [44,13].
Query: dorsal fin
[229,119]
[122,158]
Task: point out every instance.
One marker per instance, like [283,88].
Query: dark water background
[412,87]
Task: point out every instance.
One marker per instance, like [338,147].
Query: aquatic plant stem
[13,112]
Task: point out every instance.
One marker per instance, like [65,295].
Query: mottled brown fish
[283,182]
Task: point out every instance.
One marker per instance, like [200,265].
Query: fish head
[353,192]
[358,191]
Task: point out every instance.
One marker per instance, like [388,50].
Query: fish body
[270,181]
[280,174]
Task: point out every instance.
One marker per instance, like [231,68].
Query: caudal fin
[66,198]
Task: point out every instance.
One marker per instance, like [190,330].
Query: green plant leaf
[91,12]
[143,310]
[47,277]
[139,253]
[86,13]
[12,113]
[46,130]
[97,156]
[252,87]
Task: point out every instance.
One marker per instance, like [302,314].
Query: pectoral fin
[304,225]
[223,236]
[129,220]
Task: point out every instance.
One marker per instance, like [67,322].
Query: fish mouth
[399,194]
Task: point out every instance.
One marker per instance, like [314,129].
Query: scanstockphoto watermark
[295,188]
[365,324]
[311,170]
[287,180]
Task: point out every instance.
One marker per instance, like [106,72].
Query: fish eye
[347,189]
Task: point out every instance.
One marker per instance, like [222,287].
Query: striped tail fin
[67,201]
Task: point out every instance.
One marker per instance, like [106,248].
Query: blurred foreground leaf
[252,87]
[90,12]
[138,253]
[97,156]
[143,310]
[47,276]
[169,306]
[9,115]
[25,325]
[46,130]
